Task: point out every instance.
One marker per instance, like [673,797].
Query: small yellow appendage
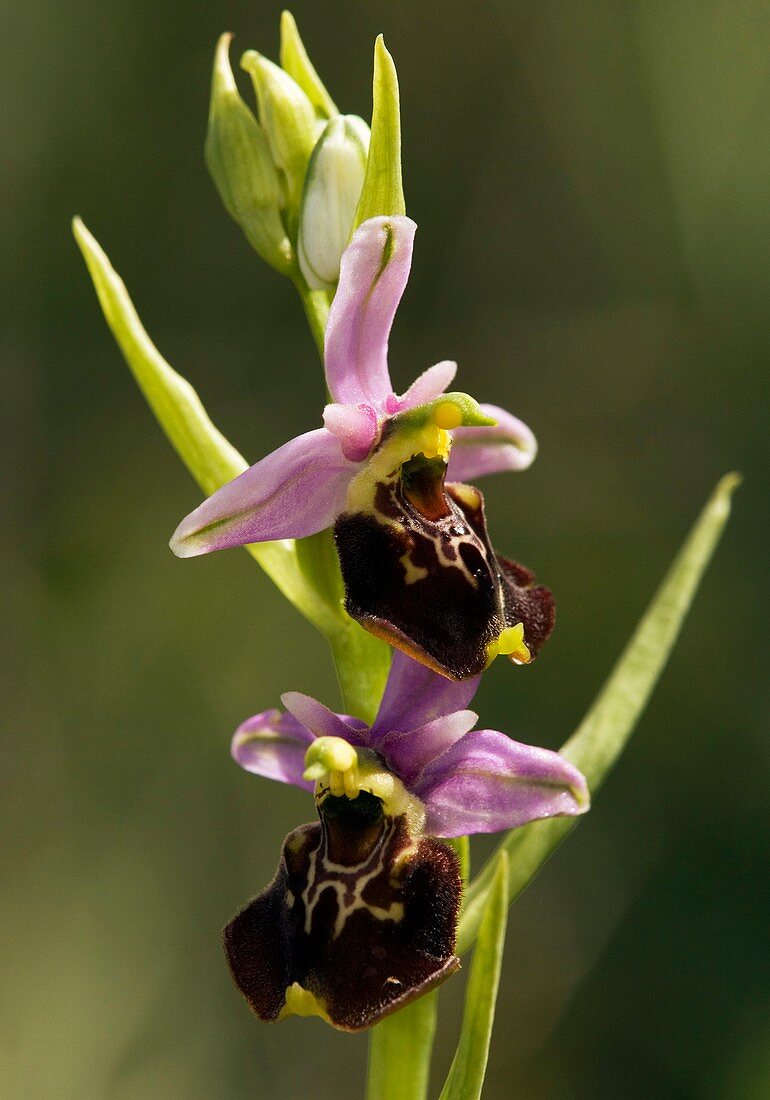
[510,643]
[336,758]
[301,1002]
[447,415]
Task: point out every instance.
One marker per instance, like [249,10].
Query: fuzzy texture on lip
[469,781]
[361,916]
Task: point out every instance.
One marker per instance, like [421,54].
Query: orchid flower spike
[361,916]
[416,560]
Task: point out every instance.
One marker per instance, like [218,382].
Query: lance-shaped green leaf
[209,457]
[239,160]
[466,1075]
[295,61]
[383,190]
[288,118]
[400,1052]
[603,733]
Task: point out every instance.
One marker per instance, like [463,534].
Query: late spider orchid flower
[361,916]
[415,556]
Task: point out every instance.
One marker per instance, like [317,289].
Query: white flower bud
[333,185]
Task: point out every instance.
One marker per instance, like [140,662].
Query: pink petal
[323,722]
[355,426]
[374,271]
[487,782]
[430,385]
[510,445]
[407,753]
[415,695]
[273,745]
[295,491]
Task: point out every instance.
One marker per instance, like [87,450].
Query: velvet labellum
[359,920]
[420,571]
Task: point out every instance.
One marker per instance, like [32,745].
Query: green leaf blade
[209,457]
[466,1075]
[603,733]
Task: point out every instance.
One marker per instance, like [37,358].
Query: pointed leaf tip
[223,78]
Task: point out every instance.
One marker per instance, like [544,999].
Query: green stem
[361,660]
[399,1052]
[316,306]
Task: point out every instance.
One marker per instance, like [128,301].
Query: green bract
[289,120]
[239,160]
[295,61]
[383,190]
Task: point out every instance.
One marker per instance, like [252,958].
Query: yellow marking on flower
[333,758]
[412,572]
[510,643]
[301,1002]
[447,415]
[434,442]
[469,497]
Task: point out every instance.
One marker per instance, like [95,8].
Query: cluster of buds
[291,176]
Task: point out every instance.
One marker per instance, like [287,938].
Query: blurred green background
[592,185]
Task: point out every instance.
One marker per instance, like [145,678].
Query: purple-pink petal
[407,752]
[374,271]
[510,445]
[415,695]
[323,722]
[297,490]
[355,426]
[427,387]
[487,782]
[273,744]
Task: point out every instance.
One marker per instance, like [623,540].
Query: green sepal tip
[295,61]
[288,118]
[239,160]
[383,190]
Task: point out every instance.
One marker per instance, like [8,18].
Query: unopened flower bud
[239,160]
[288,118]
[333,185]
